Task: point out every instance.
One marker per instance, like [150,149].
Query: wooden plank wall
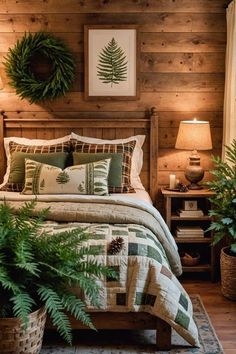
[182,63]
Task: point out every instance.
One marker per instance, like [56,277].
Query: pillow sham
[125,149]
[115,173]
[14,144]
[137,156]
[89,178]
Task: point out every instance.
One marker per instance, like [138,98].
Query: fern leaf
[76,308]
[7,283]
[55,307]
[24,257]
[94,268]
[90,288]
[22,307]
[112,68]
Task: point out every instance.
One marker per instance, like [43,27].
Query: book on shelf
[189,231]
[190,213]
[189,235]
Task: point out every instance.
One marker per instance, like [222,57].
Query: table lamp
[194,135]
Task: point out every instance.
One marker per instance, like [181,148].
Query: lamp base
[194,186]
[194,172]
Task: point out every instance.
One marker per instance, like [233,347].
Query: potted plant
[224,216]
[37,272]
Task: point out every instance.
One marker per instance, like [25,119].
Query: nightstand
[190,242]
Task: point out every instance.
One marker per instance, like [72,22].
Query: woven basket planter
[14,340]
[228,274]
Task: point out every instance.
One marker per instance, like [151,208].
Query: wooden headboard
[103,128]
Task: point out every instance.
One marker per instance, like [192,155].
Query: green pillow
[115,174]
[17,169]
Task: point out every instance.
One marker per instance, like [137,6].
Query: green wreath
[23,78]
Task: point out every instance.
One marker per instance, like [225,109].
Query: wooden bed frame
[105,128]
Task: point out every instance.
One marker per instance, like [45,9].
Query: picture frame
[111,62]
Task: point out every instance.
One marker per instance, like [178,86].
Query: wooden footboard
[130,320]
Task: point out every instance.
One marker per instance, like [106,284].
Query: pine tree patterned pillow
[91,178]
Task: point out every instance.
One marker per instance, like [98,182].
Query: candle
[172,181]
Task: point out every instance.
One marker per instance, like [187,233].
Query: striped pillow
[122,148]
[31,149]
[91,178]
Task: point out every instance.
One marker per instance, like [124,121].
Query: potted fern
[37,271]
[224,215]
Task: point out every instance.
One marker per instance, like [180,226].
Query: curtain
[229,123]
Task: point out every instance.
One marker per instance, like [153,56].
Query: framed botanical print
[111,62]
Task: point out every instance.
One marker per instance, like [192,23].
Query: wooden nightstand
[173,202]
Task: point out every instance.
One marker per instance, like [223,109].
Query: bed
[147,294]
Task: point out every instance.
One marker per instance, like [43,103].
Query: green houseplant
[38,269]
[224,216]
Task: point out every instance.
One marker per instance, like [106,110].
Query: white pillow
[29,142]
[137,158]
[88,179]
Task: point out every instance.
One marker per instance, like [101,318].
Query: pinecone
[116,245]
[182,187]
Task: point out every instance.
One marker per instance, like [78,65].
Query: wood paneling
[97,6]
[181,62]
[183,42]
[161,22]
[165,101]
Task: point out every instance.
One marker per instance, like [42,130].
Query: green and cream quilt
[147,265]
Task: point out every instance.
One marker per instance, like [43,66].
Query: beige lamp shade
[194,135]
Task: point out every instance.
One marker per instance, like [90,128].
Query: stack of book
[189,231]
[190,213]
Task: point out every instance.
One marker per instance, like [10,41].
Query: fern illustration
[62,178]
[81,188]
[42,184]
[112,68]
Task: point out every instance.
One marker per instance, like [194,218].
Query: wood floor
[221,311]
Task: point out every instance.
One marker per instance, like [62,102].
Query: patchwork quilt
[146,265]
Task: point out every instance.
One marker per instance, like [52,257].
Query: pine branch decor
[18,67]
[112,68]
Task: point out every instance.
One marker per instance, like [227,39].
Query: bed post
[153,153]
[163,335]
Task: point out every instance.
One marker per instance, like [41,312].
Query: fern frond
[76,308]
[24,257]
[90,288]
[7,282]
[112,64]
[73,237]
[22,307]
[94,268]
[55,307]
